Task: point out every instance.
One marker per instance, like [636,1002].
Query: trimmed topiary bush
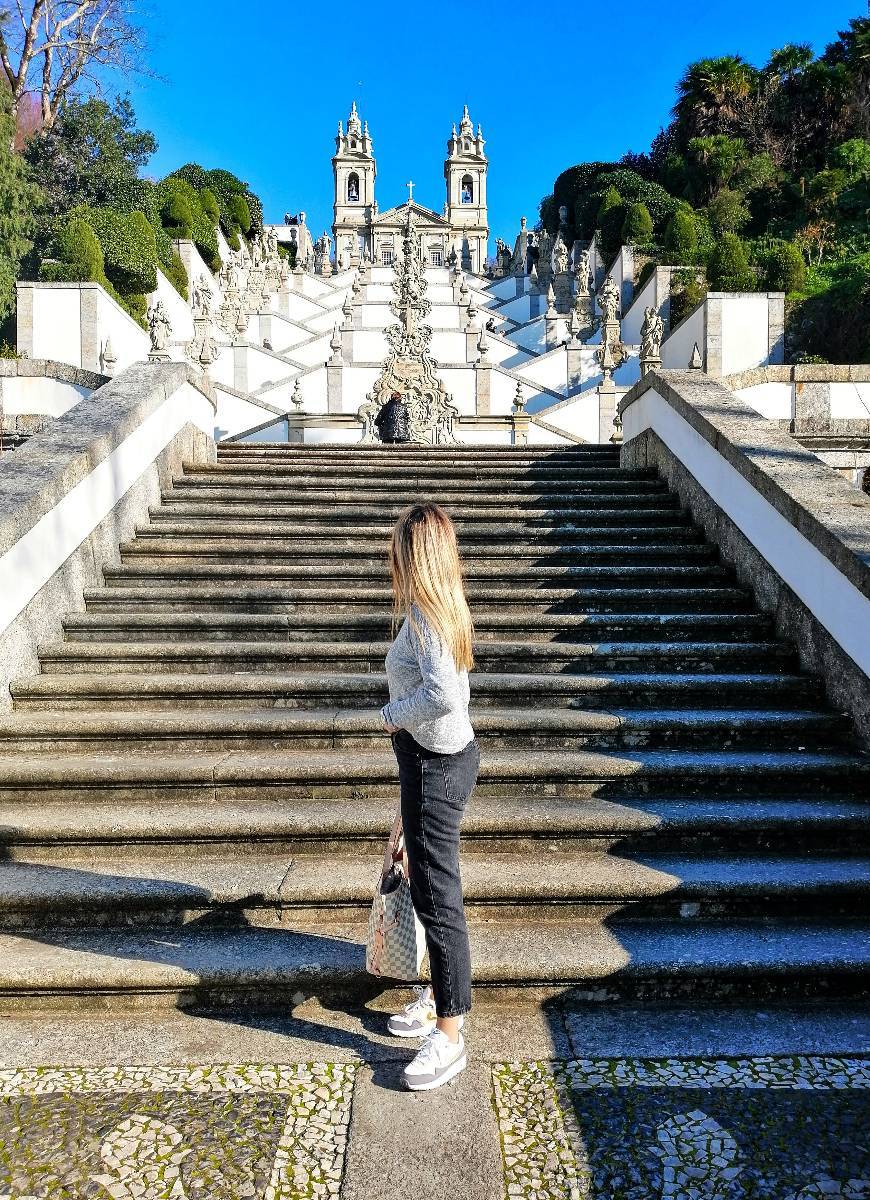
[240,213]
[609,219]
[784,268]
[77,255]
[176,273]
[129,249]
[637,228]
[205,240]
[210,205]
[179,204]
[681,237]
[728,269]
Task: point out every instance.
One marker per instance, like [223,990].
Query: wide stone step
[541,726]
[277,520]
[375,625]
[182,829]
[519,601]
[155,691]
[93,891]
[284,776]
[646,551]
[348,575]
[612,493]
[247,969]
[549,658]
[399,453]
[417,473]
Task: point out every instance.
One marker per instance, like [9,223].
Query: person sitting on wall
[392,421]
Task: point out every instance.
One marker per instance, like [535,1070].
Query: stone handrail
[73,493]
[797,533]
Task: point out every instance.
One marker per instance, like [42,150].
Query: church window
[386,256]
[435,257]
[467,190]
[353,188]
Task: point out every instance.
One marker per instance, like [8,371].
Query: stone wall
[71,496]
[762,489]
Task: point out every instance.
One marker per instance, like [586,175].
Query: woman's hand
[390,728]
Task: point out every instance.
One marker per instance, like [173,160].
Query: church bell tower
[353,169]
[465,174]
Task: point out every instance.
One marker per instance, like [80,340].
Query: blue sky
[259,89]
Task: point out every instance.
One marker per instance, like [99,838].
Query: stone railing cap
[831,514]
[46,368]
[36,477]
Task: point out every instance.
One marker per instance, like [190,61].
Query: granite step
[375,625]
[538,727]
[90,891]
[257,969]
[519,601]
[546,658]
[394,454]
[180,828]
[423,471]
[240,692]
[285,777]
[398,494]
[348,575]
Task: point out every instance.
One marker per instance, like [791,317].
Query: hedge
[176,272]
[681,237]
[728,269]
[129,249]
[637,228]
[77,255]
[784,268]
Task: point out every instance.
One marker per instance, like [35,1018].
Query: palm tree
[711,93]
[789,59]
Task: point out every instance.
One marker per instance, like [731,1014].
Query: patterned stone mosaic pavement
[764,1128]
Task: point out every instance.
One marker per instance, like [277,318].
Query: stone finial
[551,313]
[483,345]
[533,275]
[347,313]
[296,399]
[472,316]
[335,346]
[696,362]
[519,402]
[108,358]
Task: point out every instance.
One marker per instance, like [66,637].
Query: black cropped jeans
[434,791]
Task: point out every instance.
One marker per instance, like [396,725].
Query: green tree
[611,214]
[727,211]
[713,162]
[76,254]
[637,227]
[210,205]
[92,155]
[728,269]
[710,95]
[784,268]
[19,200]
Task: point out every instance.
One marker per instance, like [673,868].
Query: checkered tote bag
[396,942]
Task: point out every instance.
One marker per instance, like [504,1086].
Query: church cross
[410,185]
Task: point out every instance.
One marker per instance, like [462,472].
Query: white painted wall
[235,414]
[177,309]
[745,337]
[832,599]
[677,347]
[39,396]
[772,400]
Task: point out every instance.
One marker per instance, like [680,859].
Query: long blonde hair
[426,571]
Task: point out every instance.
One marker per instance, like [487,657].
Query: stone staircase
[195,789]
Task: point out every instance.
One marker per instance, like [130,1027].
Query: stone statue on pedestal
[159,330]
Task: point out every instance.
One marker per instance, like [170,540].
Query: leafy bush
[783,267]
[205,240]
[176,273]
[681,237]
[240,213]
[609,219]
[727,211]
[179,205]
[728,268]
[835,322]
[76,255]
[688,289]
[129,249]
[637,228]
[210,205]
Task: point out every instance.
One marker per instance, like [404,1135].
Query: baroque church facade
[361,230]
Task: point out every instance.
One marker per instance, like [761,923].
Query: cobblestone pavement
[704,1129]
[784,1128]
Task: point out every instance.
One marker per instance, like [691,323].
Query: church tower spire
[354,171]
[465,171]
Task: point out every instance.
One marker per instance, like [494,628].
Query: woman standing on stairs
[438,757]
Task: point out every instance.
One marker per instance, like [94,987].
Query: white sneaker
[437,1061]
[417,1019]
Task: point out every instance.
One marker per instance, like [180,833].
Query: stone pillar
[713,335]
[347,345]
[811,404]
[575,365]
[551,321]
[606,409]
[472,337]
[240,368]
[520,428]
[564,283]
[24,319]
[265,323]
[333,387]
[282,303]
[90,341]
[483,386]
[776,327]
[520,284]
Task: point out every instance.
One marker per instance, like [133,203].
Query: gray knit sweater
[428,696]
